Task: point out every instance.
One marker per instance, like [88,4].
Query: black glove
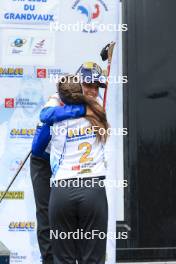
[104,52]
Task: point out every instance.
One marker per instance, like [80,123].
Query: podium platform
[4,254]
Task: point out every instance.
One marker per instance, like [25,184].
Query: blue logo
[18,42]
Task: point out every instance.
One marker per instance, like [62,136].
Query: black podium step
[4,254]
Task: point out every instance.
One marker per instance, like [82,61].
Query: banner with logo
[31,60]
[28,47]
[22,96]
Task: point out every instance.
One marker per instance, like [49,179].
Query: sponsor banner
[20,103]
[29,11]
[15,257]
[22,133]
[11,72]
[21,257]
[26,47]
[12,195]
[51,73]
[21,226]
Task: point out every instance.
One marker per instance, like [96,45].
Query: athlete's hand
[89,111]
[53,101]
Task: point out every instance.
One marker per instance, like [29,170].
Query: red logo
[9,102]
[76,168]
[41,73]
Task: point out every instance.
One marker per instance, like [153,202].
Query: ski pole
[16,174]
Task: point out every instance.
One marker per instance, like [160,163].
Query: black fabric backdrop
[149,59]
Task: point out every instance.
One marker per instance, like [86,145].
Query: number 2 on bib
[84,158]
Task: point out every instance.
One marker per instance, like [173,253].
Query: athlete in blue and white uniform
[75,152]
[40,167]
[77,157]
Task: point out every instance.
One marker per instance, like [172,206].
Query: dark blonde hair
[70,92]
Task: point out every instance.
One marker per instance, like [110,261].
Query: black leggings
[40,175]
[84,211]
